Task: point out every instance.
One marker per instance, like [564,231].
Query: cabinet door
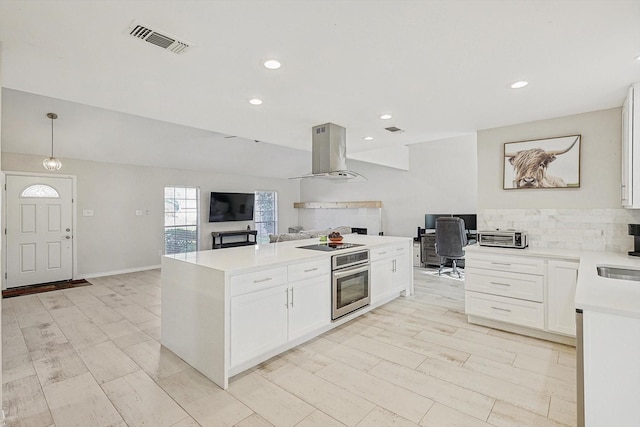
[627,150]
[309,305]
[258,323]
[381,279]
[561,294]
[402,273]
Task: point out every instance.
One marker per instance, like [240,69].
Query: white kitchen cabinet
[611,369]
[390,271]
[516,291]
[562,277]
[505,289]
[630,179]
[309,305]
[402,271]
[258,322]
[264,319]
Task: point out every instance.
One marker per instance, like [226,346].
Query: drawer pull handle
[399,249]
[501,309]
[266,279]
[501,263]
[311,269]
[381,253]
[501,284]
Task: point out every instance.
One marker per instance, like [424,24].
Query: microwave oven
[503,239]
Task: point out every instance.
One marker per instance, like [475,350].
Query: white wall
[115,239]
[585,218]
[599,164]
[442,177]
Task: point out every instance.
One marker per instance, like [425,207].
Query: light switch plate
[138,212]
[87,212]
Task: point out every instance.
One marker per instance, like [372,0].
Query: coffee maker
[634,230]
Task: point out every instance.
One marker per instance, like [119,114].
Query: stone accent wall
[577,229]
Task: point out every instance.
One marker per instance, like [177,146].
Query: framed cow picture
[542,163]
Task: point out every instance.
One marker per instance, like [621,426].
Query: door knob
[67,237]
[68,230]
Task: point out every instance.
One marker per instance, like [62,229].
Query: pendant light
[51,163]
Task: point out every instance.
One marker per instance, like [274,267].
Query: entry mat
[43,287]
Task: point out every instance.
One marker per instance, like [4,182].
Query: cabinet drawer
[387,252]
[308,270]
[251,282]
[515,285]
[518,312]
[518,264]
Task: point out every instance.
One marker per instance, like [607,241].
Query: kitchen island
[225,311]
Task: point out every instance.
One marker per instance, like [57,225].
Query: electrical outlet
[138,212]
[87,212]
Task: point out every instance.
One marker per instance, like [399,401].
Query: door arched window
[40,190]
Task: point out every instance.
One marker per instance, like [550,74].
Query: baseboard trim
[521,330]
[114,272]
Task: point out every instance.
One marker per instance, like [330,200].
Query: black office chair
[451,237]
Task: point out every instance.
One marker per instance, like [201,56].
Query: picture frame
[542,163]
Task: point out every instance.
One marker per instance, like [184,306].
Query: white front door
[39,235]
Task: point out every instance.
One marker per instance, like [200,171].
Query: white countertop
[595,293]
[257,257]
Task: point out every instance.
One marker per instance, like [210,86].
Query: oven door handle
[350,271]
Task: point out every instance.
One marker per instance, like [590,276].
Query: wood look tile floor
[91,356]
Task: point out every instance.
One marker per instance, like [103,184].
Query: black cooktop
[330,246]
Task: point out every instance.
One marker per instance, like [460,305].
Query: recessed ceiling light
[272,64]
[255,101]
[519,84]
[368,138]
[385,116]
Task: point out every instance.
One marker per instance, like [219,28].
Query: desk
[428,255]
[223,234]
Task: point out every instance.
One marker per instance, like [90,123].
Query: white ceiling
[441,68]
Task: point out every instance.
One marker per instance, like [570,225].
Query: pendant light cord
[52,137]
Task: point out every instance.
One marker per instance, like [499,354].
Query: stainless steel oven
[351,282]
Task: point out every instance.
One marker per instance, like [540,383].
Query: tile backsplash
[578,229]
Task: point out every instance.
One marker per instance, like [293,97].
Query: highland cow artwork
[542,163]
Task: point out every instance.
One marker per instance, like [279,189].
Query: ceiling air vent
[158,38]
[394,129]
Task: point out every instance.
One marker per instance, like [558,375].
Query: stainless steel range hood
[329,153]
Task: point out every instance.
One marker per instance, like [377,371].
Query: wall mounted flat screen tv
[231,207]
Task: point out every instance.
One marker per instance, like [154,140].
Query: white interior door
[39,235]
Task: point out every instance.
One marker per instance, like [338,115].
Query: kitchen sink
[618,273]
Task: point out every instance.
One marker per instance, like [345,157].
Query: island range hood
[329,153]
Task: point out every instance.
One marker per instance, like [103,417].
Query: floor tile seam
[483,393]
[122,377]
[282,389]
[319,410]
[549,374]
[8,415]
[436,399]
[550,393]
[324,381]
[379,379]
[456,349]
[386,343]
[458,410]
[523,351]
[425,320]
[424,355]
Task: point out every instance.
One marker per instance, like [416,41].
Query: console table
[223,234]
